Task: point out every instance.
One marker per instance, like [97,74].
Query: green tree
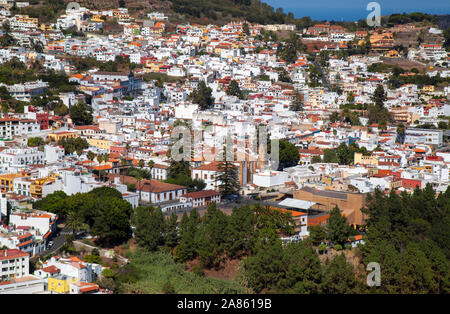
[112,221]
[330,156]
[81,114]
[90,156]
[289,155]
[297,103]
[227,175]
[187,250]
[201,96]
[316,159]
[172,236]
[179,168]
[339,277]
[264,268]
[54,203]
[212,236]
[317,234]
[334,117]
[75,222]
[35,141]
[240,230]
[338,229]
[150,226]
[234,89]
[345,154]
[245,29]
[302,271]
[400,133]
[378,112]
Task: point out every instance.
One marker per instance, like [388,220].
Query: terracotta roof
[201,194]
[13,253]
[213,166]
[156,186]
[51,269]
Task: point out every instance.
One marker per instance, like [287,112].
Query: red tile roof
[13,253]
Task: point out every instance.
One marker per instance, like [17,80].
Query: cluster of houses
[135,118]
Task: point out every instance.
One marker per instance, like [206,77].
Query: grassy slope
[155,269]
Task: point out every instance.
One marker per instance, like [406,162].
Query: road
[325,83]
[58,241]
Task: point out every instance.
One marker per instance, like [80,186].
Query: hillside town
[97,103]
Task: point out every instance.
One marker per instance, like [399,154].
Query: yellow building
[7,180]
[383,41]
[60,284]
[46,27]
[392,54]
[97,18]
[38,184]
[56,136]
[360,159]
[428,88]
[26,19]
[103,144]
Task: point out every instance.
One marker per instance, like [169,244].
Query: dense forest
[405,233]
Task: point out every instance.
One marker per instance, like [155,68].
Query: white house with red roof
[14,263]
[201,198]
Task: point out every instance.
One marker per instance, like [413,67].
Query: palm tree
[139,179]
[75,222]
[127,147]
[123,162]
[99,158]
[151,164]
[141,163]
[400,133]
[90,156]
[105,158]
[382,126]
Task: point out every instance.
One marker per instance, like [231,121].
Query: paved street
[58,241]
[325,83]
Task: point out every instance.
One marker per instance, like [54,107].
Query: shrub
[108,272]
[198,270]
[92,259]
[69,239]
[95,252]
[168,288]
[338,247]
[322,247]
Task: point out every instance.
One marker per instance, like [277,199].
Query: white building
[423,136]
[14,264]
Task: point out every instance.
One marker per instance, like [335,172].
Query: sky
[356,9]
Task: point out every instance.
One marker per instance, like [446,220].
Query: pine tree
[202,96]
[228,178]
[187,250]
[339,277]
[234,90]
[171,231]
[212,236]
[338,229]
[240,230]
[149,222]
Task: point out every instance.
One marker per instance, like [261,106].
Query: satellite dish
[73,6]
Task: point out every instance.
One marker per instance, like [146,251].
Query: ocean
[324,11]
